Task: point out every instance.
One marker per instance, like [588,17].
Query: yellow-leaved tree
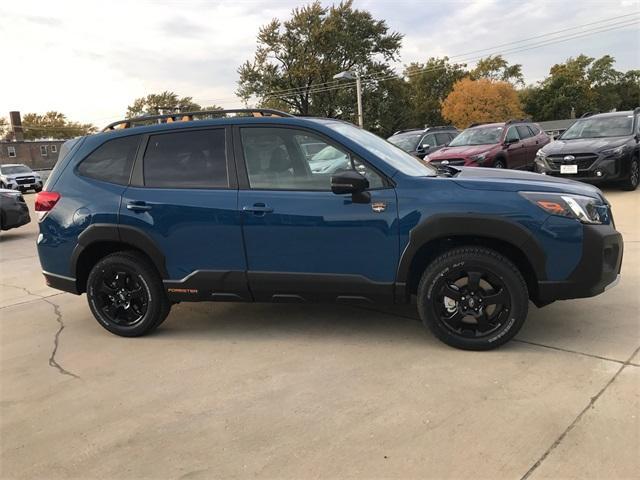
[481,101]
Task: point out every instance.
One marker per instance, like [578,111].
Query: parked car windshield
[388,152]
[13,169]
[406,141]
[478,136]
[616,126]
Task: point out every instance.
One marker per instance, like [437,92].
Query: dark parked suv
[598,148]
[423,141]
[230,209]
[513,144]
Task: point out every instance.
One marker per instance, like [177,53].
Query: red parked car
[511,144]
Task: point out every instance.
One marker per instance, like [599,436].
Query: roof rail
[441,127]
[517,120]
[408,130]
[477,124]
[190,116]
[587,114]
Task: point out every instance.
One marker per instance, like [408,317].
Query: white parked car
[16,176]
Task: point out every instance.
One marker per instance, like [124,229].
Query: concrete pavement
[292,391]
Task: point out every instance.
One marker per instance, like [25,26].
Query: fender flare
[441,226]
[127,235]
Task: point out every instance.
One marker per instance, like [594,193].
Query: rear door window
[187,159]
[112,161]
[524,131]
[442,138]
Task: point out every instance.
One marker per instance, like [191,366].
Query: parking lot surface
[320,391]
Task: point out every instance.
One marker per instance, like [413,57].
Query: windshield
[389,153]
[13,169]
[616,126]
[406,141]
[478,136]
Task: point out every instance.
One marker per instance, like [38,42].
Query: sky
[90,59]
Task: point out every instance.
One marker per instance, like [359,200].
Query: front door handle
[138,206]
[257,208]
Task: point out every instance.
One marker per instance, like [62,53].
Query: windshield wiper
[447,171]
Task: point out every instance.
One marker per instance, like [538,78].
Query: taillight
[45,201]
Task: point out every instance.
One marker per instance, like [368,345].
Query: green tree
[53,125]
[157,103]
[497,69]
[428,85]
[295,61]
[4,128]
[584,84]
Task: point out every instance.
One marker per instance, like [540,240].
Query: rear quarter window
[112,161]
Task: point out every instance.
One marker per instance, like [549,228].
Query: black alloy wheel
[126,294]
[473,298]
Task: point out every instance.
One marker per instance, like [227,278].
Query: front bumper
[601,169]
[597,271]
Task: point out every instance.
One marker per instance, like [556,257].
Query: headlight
[585,209]
[616,152]
[479,158]
[427,158]
[541,155]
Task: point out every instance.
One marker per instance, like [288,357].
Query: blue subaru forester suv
[265,207]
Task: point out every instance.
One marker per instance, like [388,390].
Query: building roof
[557,124]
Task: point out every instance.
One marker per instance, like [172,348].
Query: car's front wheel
[632,181]
[473,298]
[126,294]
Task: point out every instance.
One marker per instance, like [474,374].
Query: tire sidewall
[151,317]
[512,281]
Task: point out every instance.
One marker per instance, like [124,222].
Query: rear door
[183,197]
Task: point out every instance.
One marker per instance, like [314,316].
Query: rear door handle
[138,206]
[257,208]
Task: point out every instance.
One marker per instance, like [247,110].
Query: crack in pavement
[576,420]
[56,339]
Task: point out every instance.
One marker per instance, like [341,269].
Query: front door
[302,241]
[516,148]
[183,198]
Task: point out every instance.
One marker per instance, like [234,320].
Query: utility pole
[349,75]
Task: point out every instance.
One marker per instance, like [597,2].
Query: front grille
[452,161]
[583,160]
[25,180]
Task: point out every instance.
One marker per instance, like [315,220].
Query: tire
[496,280]
[631,182]
[126,294]
[499,163]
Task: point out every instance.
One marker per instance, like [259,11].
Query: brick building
[34,154]
[40,153]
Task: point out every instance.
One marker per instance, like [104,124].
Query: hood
[461,151]
[583,145]
[478,178]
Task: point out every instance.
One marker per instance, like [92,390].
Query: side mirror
[348,181]
[511,141]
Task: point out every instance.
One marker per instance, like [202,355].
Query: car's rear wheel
[126,294]
[631,182]
[473,298]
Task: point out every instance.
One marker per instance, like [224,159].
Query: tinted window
[534,130]
[112,161]
[428,140]
[188,159]
[442,138]
[524,131]
[276,160]
[512,134]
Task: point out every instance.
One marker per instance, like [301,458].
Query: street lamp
[348,75]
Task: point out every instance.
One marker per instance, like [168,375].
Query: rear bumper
[60,282]
[597,271]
